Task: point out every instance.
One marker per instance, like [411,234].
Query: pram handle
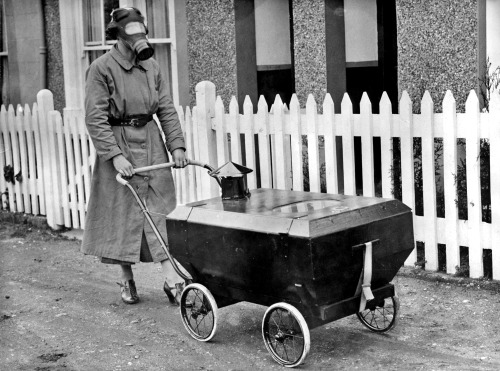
[163,244]
[138,170]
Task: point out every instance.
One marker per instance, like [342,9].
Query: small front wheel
[286,334]
[199,312]
[380,316]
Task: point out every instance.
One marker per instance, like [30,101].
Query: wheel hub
[281,336]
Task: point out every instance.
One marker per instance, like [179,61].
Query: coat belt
[137,121]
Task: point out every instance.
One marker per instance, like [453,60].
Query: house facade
[260,47]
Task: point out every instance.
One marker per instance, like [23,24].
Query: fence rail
[289,148]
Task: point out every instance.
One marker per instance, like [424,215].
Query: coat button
[143,146]
[146,179]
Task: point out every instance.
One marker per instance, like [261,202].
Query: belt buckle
[134,122]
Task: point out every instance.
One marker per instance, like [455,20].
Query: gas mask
[133,31]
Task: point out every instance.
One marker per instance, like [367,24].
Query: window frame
[105,45]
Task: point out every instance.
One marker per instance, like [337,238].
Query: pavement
[60,310]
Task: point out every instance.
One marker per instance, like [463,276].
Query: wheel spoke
[382,317]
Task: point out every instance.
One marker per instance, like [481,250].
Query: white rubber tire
[208,297]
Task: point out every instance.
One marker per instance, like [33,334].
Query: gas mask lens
[134,28]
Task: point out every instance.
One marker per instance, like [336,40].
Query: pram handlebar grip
[139,170]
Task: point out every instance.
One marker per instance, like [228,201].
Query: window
[4,67]
[159,17]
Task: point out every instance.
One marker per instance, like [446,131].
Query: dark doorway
[375,77]
[274,50]
[273,82]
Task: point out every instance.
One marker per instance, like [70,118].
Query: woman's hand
[179,157]
[122,165]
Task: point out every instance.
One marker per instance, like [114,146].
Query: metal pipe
[43,48]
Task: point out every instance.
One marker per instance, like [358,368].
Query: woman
[124,88]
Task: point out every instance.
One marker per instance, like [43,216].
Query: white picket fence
[56,157]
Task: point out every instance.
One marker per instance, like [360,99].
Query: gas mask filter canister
[132,31]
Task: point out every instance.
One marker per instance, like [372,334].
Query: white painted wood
[296,145]
[279,139]
[407,171]
[23,157]
[55,171]
[40,185]
[191,196]
[28,125]
[7,147]
[249,131]
[330,128]
[264,147]
[386,155]
[3,150]
[367,146]
[78,176]
[220,133]
[494,118]
[45,104]
[450,189]
[70,157]
[183,187]
[205,104]
[474,186]
[196,153]
[429,183]
[16,162]
[313,144]
[235,131]
[62,176]
[71,21]
[348,146]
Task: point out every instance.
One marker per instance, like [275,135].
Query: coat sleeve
[96,114]
[168,117]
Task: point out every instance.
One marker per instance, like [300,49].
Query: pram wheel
[286,334]
[200,315]
[381,316]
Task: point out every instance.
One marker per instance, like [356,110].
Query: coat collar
[123,62]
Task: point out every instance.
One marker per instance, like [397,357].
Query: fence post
[450,189]
[312,144]
[474,208]
[367,146]
[7,147]
[234,130]
[23,158]
[28,125]
[407,166]
[279,160]
[220,132]
[45,103]
[495,183]
[205,103]
[266,178]
[248,129]
[348,145]
[16,163]
[296,144]
[191,196]
[429,183]
[386,121]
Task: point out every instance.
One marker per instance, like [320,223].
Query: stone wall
[309,49]
[212,46]
[437,49]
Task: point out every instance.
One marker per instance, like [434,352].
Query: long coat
[115,224]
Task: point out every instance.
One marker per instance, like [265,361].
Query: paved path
[62,311]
